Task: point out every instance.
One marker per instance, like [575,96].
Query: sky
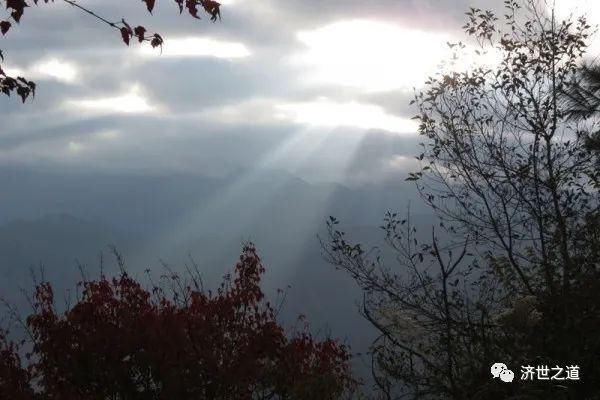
[316,88]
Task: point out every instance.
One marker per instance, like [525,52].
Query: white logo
[507,376]
[500,370]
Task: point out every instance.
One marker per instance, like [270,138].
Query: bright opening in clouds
[57,69]
[378,56]
[321,113]
[371,55]
[199,47]
[289,67]
[326,113]
[52,68]
[130,102]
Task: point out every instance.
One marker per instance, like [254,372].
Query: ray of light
[251,217]
[327,203]
[224,202]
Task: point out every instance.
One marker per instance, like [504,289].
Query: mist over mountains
[64,220]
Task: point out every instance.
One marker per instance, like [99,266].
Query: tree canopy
[175,340]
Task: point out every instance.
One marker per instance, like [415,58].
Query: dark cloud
[180,135]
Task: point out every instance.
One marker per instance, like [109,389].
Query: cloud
[130,102]
[60,70]
[378,56]
[223,96]
[322,113]
[370,55]
[199,47]
[56,69]
[328,114]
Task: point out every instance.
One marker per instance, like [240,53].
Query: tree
[16,9]
[509,174]
[14,379]
[582,100]
[174,341]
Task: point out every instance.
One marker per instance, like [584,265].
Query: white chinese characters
[544,373]
[539,372]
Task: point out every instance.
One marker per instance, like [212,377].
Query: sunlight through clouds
[370,55]
[57,69]
[51,68]
[199,47]
[130,102]
[374,56]
[320,113]
[326,113]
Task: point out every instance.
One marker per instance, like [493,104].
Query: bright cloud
[130,102]
[91,142]
[52,68]
[254,111]
[326,113]
[399,163]
[373,55]
[199,47]
[320,113]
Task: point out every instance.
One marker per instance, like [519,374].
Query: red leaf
[156,41]
[140,31]
[4,27]
[213,8]
[31,85]
[18,6]
[23,92]
[192,8]
[17,14]
[149,5]
[126,35]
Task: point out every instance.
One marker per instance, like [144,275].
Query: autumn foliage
[122,341]
[16,9]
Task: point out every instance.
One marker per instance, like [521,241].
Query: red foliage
[123,341]
[15,381]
